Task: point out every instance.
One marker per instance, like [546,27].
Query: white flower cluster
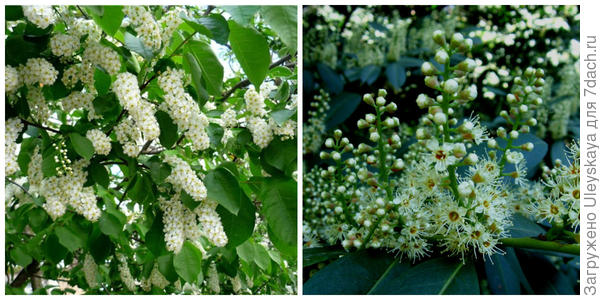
[67,189]
[64,44]
[211,223]
[11,79]
[125,273]
[128,135]
[147,28]
[37,104]
[80,100]
[213,278]
[71,75]
[34,171]
[183,177]
[100,141]
[171,20]
[38,70]
[157,279]
[255,103]
[183,109]
[288,128]
[229,118]
[81,27]
[173,212]
[90,271]
[262,133]
[107,58]
[13,127]
[41,16]
[142,111]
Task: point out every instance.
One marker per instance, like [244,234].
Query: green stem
[532,243]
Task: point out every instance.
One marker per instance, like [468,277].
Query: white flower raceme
[38,70]
[255,103]
[41,16]
[229,118]
[90,271]
[183,177]
[34,171]
[107,58]
[183,109]
[81,27]
[173,222]
[146,27]
[11,79]
[157,279]
[211,223]
[37,105]
[80,100]
[262,133]
[213,278]
[288,128]
[100,141]
[125,273]
[128,135]
[12,130]
[171,20]
[128,92]
[64,44]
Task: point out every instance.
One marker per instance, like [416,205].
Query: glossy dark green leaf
[283,20]
[168,129]
[19,256]
[188,201]
[238,228]
[69,238]
[558,151]
[97,173]
[341,107]
[212,70]
[524,227]
[110,19]
[280,116]
[215,133]
[279,206]
[188,262]
[53,250]
[110,225]
[214,26]
[332,81]
[37,218]
[13,12]
[311,256]
[101,248]
[141,192]
[280,156]
[223,188]
[136,45]
[108,106]
[197,81]
[369,74]
[165,266]
[159,171]
[102,81]
[82,145]
[154,239]
[252,52]
[242,14]
[396,75]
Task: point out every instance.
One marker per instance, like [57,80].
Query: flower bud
[459,150]
[432,82]
[381,93]
[380,101]
[450,86]
[370,118]
[423,101]
[504,114]
[539,73]
[465,188]
[466,45]
[361,124]
[539,82]
[456,40]
[439,38]
[368,98]
[428,69]
[441,57]
[501,132]
[324,155]
[336,155]
[389,122]
[527,146]
[350,162]
[338,209]
[398,164]
[329,143]
[362,148]
[523,108]
[374,137]
[420,134]
[510,98]
[492,144]
[524,129]
[380,212]
[345,141]
[514,134]
[440,118]
[532,122]
[390,108]
[337,133]
[471,159]
[529,72]
[467,65]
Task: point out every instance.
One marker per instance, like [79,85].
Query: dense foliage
[150,150]
[458,172]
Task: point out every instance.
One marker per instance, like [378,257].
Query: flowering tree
[435,189]
[137,163]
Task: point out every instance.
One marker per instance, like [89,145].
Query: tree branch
[25,273]
[39,126]
[82,12]
[246,82]
[117,122]
[146,145]
[24,190]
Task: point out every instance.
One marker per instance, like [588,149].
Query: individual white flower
[441,155]
[514,157]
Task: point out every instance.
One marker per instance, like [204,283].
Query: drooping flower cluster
[42,16]
[255,103]
[125,273]
[146,27]
[79,100]
[81,27]
[213,278]
[173,213]
[64,44]
[183,109]
[90,271]
[100,141]
[12,130]
[11,79]
[262,133]
[170,21]
[312,132]
[38,70]
[107,58]
[128,93]
[183,177]
[128,135]
[210,220]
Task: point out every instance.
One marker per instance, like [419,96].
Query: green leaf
[242,14]
[196,71]
[283,92]
[238,228]
[223,188]
[280,155]
[19,256]
[213,26]
[82,145]
[280,116]
[524,227]
[212,70]
[333,82]
[246,251]
[341,107]
[100,248]
[159,171]
[188,262]
[165,266]
[110,225]
[24,157]
[141,192]
[108,106]
[280,71]
[188,201]
[369,74]
[502,277]
[283,20]
[154,239]
[168,129]
[49,165]
[102,81]
[215,133]
[279,200]
[396,75]
[136,45]
[37,218]
[110,19]
[251,50]
[53,250]
[97,173]
[68,238]
[311,256]
[13,12]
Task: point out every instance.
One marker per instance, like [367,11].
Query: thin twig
[39,126]
[146,145]
[24,190]
[117,122]
[82,12]
[246,82]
